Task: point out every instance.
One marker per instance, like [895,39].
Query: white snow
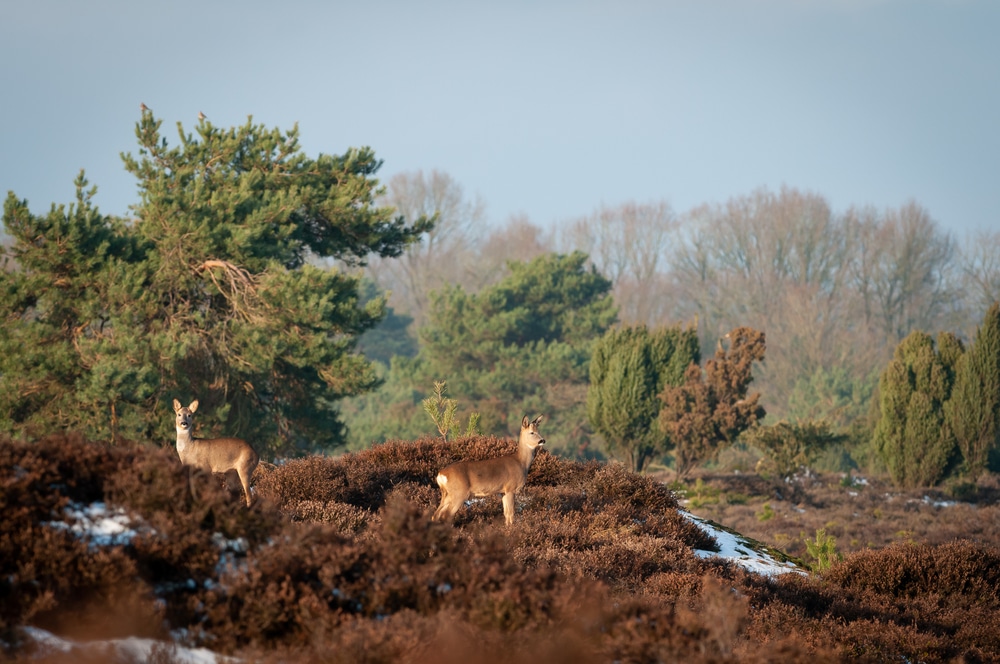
[97,524]
[131,649]
[741,550]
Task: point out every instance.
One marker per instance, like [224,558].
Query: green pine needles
[629,368]
[823,550]
[442,410]
[205,292]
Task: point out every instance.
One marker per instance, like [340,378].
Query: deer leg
[442,511]
[245,481]
[508,507]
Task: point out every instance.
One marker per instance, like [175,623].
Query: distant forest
[310,307]
[835,292]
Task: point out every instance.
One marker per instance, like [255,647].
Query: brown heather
[338,561]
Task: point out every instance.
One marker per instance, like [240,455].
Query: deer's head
[185,415]
[529,432]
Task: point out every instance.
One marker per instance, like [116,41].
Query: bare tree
[519,239]
[443,256]
[902,271]
[980,262]
[777,262]
[737,259]
[628,245]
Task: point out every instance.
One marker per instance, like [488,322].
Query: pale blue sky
[547,109]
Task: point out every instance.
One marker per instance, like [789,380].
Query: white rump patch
[442,479]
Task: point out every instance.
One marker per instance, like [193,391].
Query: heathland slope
[338,561]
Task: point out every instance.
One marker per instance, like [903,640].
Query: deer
[489,477]
[216,455]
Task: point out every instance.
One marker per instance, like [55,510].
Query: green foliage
[441,410]
[834,395]
[391,337]
[973,411]
[204,294]
[711,408]
[766,513]
[392,411]
[790,447]
[522,345]
[911,436]
[702,494]
[629,368]
[472,429]
[823,550]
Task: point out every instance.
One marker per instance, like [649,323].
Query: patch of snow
[131,649]
[854,480]
[232,556]
[741,550]
[939,503]
[97,524]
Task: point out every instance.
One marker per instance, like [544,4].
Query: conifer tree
[206,293]
[629,368]
[973,411]
[911,435]
[521,345]
[512,347]
[711,407]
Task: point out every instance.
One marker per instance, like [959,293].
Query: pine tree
[911,436]
[711,407]
[521,345]
[205,294]
[973,411]
[629,368]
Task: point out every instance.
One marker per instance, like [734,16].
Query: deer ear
[194,406]
[524,422]
[535,422]
[177,405]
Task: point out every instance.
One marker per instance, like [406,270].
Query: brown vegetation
[338,561]
[860,513]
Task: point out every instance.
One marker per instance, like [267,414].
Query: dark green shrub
[973,411]
[911,436]
[629,368]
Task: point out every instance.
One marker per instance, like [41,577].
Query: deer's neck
[526,454]
[184,438]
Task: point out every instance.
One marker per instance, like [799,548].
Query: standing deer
[217,455]
[489,477]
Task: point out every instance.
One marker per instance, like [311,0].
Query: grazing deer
[217,455]
[489,477]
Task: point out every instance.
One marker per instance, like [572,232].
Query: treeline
[249,275]
[835,294]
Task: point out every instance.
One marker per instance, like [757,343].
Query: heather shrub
[52,578]
[317,477]
[338,561]
[962,573]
